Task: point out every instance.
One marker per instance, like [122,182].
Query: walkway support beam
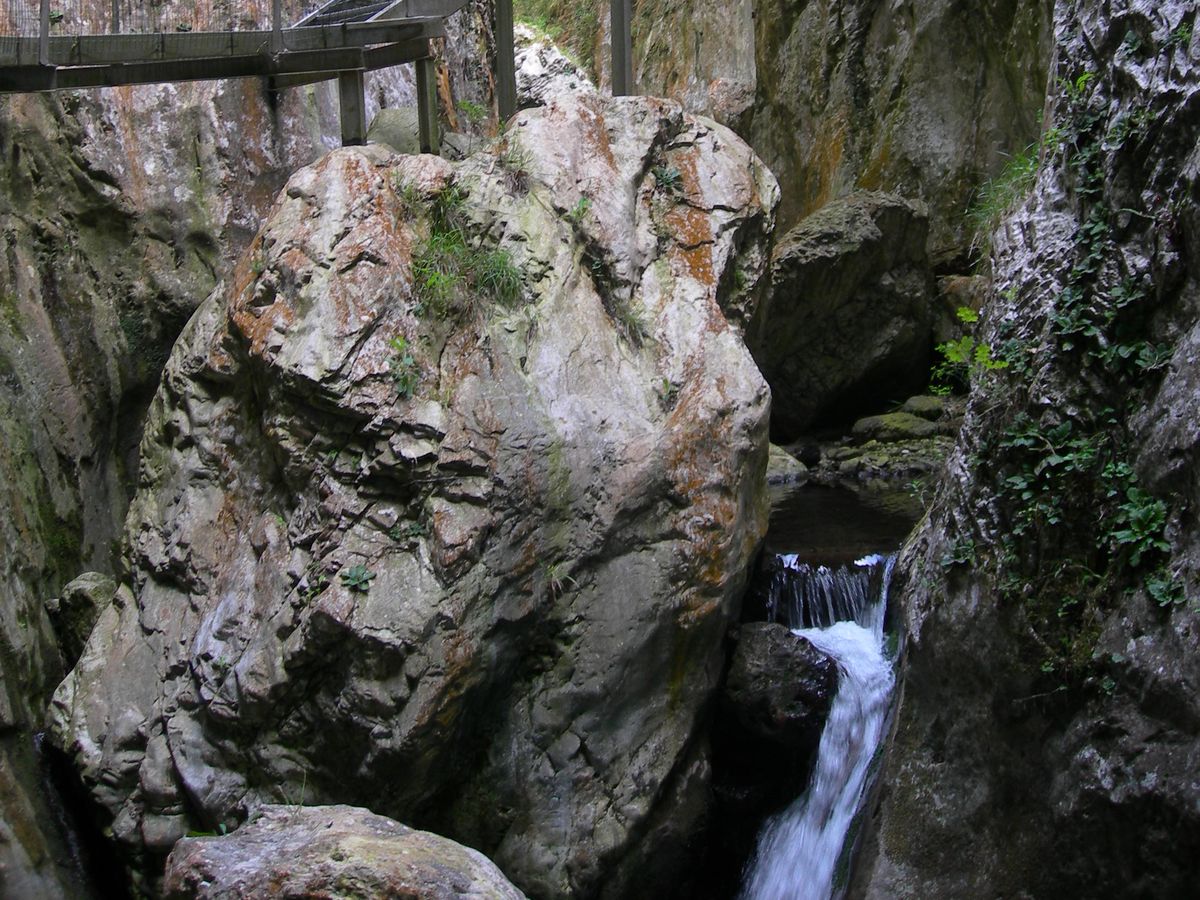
[353,106]
[622,48]
[506,65]
[427,106]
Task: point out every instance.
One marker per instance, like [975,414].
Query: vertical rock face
[1047,742]
[923,98]
[119,212]
[413,536]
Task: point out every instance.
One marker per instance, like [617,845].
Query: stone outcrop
[925,98]
[544,72]
[461,549]
[120,211]
[1047,739]
[330,851]
[848,321]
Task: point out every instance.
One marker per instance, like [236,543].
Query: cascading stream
[843,611]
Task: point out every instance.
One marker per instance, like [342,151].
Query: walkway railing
[50,45]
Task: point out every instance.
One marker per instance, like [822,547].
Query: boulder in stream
[330,851]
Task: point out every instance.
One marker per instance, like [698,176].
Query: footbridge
[48,45]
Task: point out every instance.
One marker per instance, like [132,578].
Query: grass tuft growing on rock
[453,274]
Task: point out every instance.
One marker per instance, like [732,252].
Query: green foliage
[409,195]
[313,582]
[472,112]
[1181,36]
[404,370]
[1139,525]
[668,178]
[405,532]
[557,578]
[964,361]
[1164,589]
[358,578]
[961,553]
[579,211]
[1077,531]
[451,273]
[998,195]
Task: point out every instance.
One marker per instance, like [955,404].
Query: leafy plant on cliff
[404,371]
[358,578]
[963,360]
[1076,529]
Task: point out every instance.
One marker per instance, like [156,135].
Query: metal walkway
[48,45]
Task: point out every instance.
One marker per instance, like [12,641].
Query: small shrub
[579,211]
[404,371]
[358,578]
[668,178]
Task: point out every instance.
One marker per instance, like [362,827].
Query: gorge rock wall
[1047,741]
[446,502]
[120,210]
[922,98]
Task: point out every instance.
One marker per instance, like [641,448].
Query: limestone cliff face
[463,549]
[1047,741]
[120,210]
[922,98]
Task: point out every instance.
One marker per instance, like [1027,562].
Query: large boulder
[330,851]
[848,323]
[446,503]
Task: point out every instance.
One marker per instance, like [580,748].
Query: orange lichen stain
[254,121]
[820,172]
[872,176]
[692,227]
[596,134]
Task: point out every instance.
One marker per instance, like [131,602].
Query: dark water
[834,526]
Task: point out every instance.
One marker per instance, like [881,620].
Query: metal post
[277,26]
[353,107]
[622,48]
[44,35]
[427,105]
[506,66]
[114,26]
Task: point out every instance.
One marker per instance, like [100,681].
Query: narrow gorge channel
[813,580]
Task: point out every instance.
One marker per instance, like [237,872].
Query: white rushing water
[798,850]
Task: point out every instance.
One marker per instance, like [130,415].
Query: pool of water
[836,525]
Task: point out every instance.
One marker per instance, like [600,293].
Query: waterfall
[840,612]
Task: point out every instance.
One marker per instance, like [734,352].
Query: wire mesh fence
[67,18]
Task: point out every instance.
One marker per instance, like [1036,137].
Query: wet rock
[924,99]
[892,427]
[927,407]
[848,319]
[783,468]
[1020,768]
[465,558]
[772,710]
[779,686]
[330,851]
